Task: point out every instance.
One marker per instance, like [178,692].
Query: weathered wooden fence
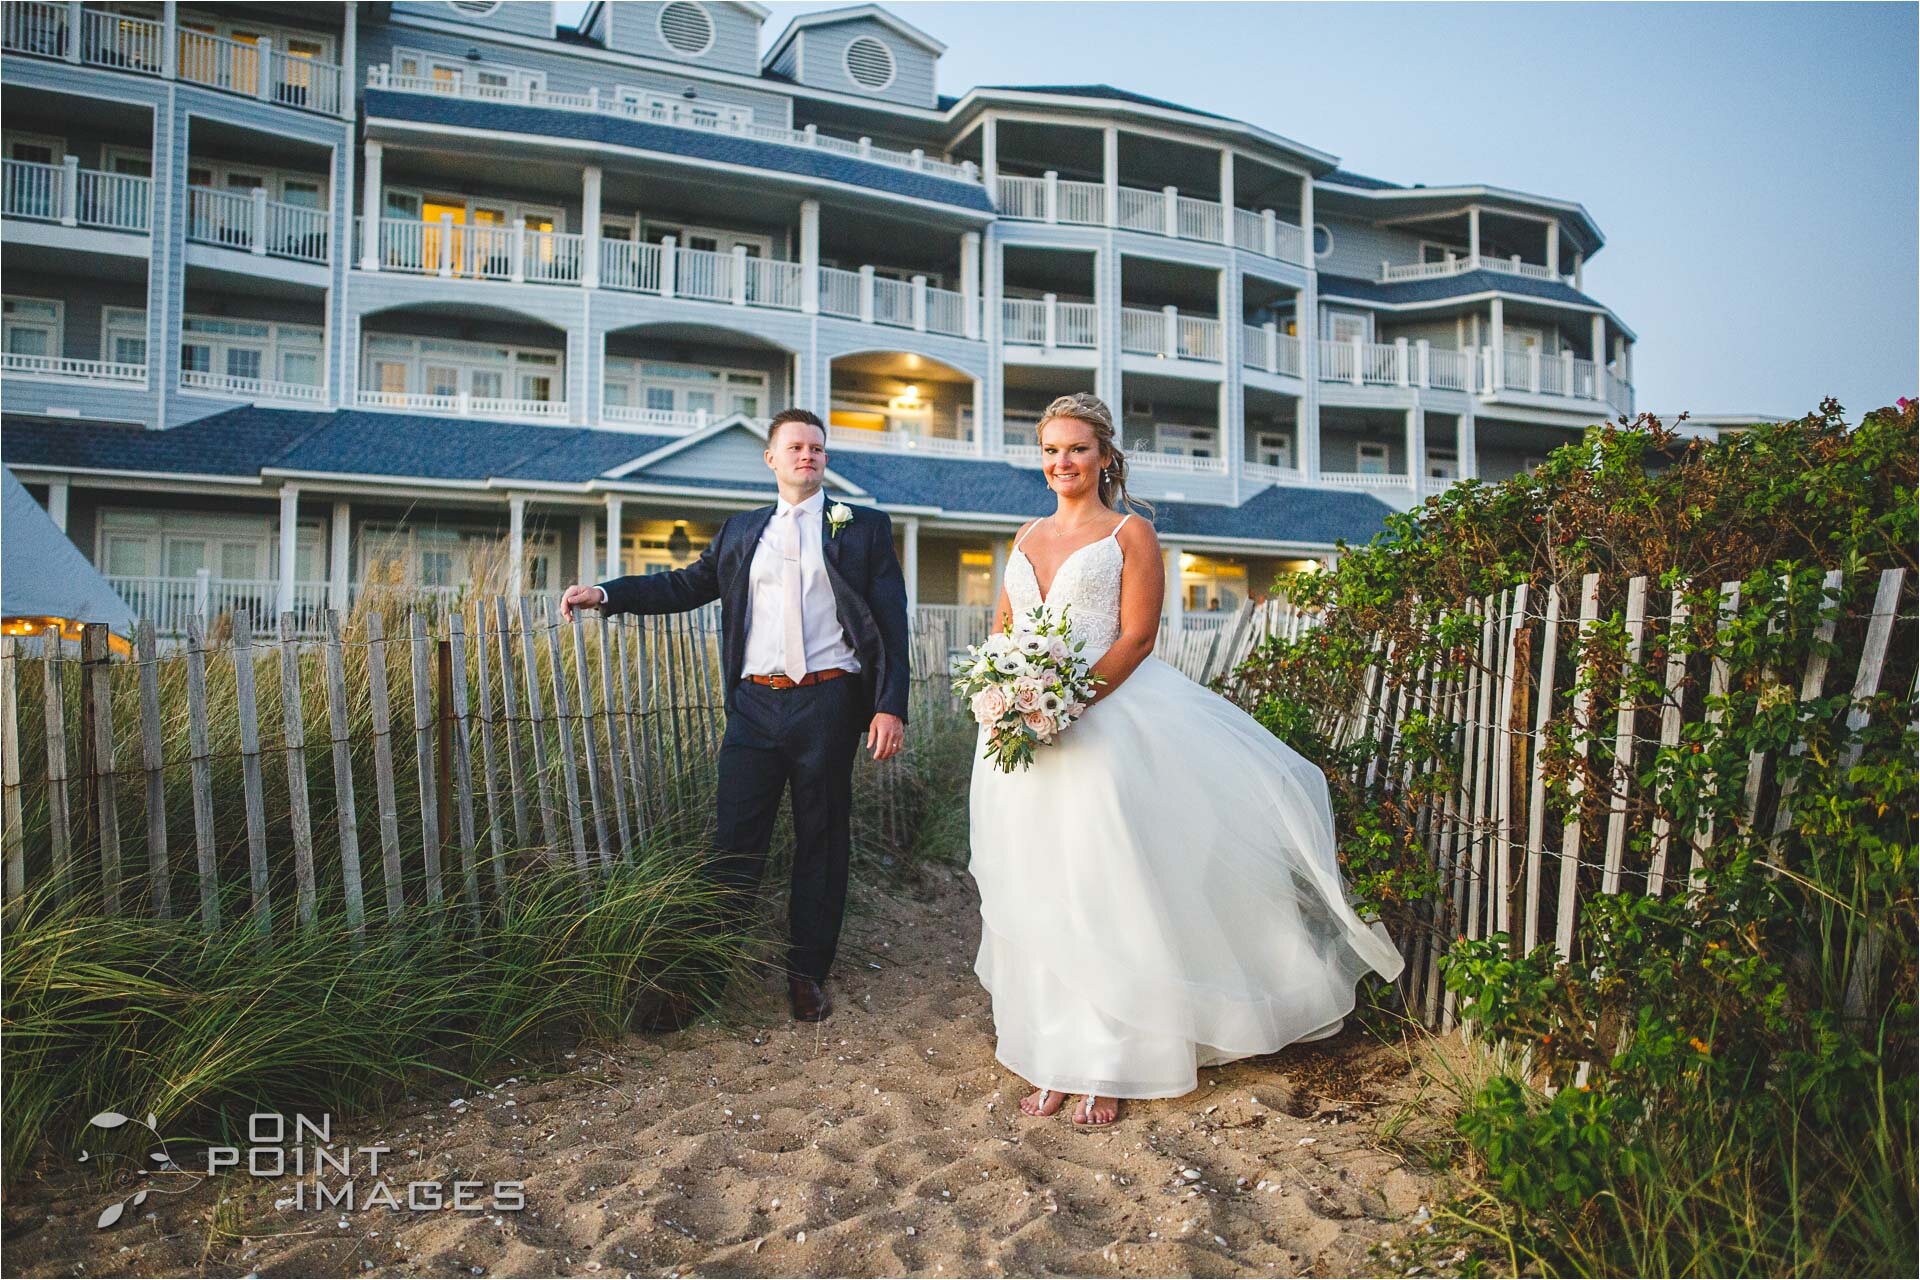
[1516,857]
[391,762]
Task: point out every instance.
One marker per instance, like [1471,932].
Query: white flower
[1033,644]
[838,514]
[996,644]
[1010,664]
[1057,649]
[1050,703]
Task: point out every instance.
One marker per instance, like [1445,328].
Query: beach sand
[884,1141]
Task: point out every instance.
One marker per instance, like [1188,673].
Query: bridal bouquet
[1025,684]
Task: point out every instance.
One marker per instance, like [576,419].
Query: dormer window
[686,27]
[870,63]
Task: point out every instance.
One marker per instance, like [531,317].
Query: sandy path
[885,1141]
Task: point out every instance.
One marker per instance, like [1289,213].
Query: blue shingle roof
[721,148]
[1348,178]
[1106,91]
[1443,287]
[357,443]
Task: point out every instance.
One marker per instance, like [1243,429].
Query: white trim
[1487,296]
[120,322]
[59,343]
[1317,253]
[854,13]
[56,145]
[729,423]
[1470,192]
[1120,107]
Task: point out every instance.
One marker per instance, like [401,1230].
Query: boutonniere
[837,517]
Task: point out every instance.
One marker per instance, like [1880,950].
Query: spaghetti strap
[1029,529]
[1123,524]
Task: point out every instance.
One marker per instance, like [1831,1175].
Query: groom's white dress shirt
[773,648]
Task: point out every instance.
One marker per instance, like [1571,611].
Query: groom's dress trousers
[814,641]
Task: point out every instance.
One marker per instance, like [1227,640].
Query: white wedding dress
[1158,892]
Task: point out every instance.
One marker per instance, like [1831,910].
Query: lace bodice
[1086,585]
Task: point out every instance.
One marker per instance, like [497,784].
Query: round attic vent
[686,27]
[870,63]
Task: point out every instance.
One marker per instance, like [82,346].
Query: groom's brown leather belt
[812,677]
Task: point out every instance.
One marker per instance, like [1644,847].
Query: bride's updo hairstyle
[1092,410]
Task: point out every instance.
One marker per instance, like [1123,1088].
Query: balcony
[229,387]
[1028,455]
[901,442]
[1460,264]
[463,405]
[1266,474]
[1169,335]
[1481,371]
[1165,212]
[251,223]
[75,197]
[68,369]
[1049,322]
[1264,347]
[123,42]
[677,116]
[487,252]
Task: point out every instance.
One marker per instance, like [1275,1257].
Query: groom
[813,630]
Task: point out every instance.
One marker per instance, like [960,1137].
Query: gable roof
[852,13]
[636,468]
[46,576]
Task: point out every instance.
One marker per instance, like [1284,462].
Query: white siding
[824,65]
[521,17]
[634,27]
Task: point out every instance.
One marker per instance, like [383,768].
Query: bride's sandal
[1039,1109]
[1086,1109]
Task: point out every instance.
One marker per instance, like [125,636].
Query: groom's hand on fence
[886,735]
[582,596]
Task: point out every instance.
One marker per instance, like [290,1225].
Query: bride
[1158,892]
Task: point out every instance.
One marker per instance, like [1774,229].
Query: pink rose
[989,704]
[1026,694]
[1040,722]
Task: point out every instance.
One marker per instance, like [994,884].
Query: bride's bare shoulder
[1137,534]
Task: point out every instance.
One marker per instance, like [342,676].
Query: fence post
[339,730]
[382,712]
[10,771]
[426,766]
[1271,330]
[152,757]
[293,721]
[250,768]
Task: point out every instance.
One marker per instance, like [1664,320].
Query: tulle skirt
[1159,893]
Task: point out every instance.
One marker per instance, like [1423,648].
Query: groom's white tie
[795,643]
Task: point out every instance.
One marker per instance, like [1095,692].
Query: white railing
[170,602]
[630,265]
[1048,322]
[1077,324]
[946,312]
[1431,485]
[251,222]
[675,115]
[1176,463]
[463,405]
[772,283]
[1364,479]
[260,71]
[1383,365]
[892,301]
[1143,332]
[1374,363]
[35,28]
[1449,370]
[1024,198]
[1199,338]
[221,384]
[900,442]
[1459,264]
[840,292]
[703,274]
[304,82]
[123,41]
[1198,220]
[1082,203]
[1168,333]
[664,419]
[1138,210]
[28,366]
[1023,321]
[486,252]
[1265,347]
[1267,474]
[72,196]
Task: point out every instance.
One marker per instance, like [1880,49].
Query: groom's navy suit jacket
[869,592]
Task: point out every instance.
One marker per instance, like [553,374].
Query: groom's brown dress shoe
[810,1000]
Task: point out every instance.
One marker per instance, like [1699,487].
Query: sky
[1753,167]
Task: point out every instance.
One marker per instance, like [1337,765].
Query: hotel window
[490,79]
[1371,459]
[1184,441]
[685,388]
[31,327]
[444,367]
[123,335]
[252,350]
[32,148]
[667,108]
[1273,448]
[710,239]
[1345,326]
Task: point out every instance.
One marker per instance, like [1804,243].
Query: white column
[70,190]
[1171,210]
[1175,603]
[1423,360]
[289,544]
[1579,262]
[1597,348]
[170,42]
[517,542]
[668,264]
[1051,195]
[1110,171]
[1473,233]
[1400,369]
[1553,247]
[810,256]
[1416,448]
[73,30]
[259,236]
[1306,224]
[866,294]
[57,503]
[979,415]
[919,302]
[263,60]
[739,275]
[615,563]
[589,549]
[1170,332]
[1227,235]
[1465,445]
[1497,344]
[1626,362]
[990,156]
[371,204]
[349,59]
[590,185]
[339,544]
[970,281]
[911,559]
[1050,322]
